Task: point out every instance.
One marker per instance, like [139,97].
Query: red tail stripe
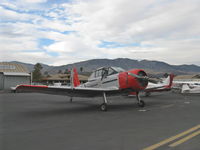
[75,78]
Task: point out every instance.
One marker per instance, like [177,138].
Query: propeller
[145,78]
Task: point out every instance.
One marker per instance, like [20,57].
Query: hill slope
[125,63]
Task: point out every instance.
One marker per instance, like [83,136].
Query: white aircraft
[193,82]
[190,89]
[105,81]
[178,85]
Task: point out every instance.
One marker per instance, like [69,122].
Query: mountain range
[151,67]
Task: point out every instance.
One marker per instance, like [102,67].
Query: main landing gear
[104,106]
[141,103]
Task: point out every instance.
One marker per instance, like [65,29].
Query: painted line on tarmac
[185,139]
[152,147]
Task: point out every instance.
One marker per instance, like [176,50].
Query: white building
[13,74]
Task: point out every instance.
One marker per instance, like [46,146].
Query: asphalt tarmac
[30,121]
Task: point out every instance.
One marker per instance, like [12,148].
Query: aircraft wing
[69,91]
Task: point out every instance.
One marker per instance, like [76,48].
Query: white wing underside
[73,92]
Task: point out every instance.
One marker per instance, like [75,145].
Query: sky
[58,32]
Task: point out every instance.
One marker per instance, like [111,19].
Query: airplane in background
[105,81]
[187,82]
[190,89]
[181,85]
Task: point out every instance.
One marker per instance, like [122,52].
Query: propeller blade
[134,75]
[142,77]
[137,76]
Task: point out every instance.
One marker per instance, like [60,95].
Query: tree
[37,75]
[46,73]
[166,75]
[81,69]
[66,71]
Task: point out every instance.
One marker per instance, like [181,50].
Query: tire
[103,107]
[141,103]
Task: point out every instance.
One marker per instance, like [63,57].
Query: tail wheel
[103,107]
[141,103]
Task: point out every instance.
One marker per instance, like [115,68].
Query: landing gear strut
[141,103]
[103,106]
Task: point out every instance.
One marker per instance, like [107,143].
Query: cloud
[35,1]
[27,57]
[157,30]
[9,15]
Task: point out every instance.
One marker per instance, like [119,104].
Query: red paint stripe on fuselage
[38,86]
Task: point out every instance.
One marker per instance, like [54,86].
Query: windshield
[118,69]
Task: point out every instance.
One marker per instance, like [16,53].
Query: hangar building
[12,74]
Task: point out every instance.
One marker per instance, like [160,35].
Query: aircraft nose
[134,79]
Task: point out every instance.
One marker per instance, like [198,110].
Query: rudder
[74,78]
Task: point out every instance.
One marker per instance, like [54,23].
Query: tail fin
[74,78]
[169,80]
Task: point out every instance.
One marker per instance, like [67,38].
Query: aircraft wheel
[141,103]
[104,107]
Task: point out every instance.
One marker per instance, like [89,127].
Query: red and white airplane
[105,81]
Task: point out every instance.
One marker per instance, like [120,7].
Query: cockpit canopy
[105,71]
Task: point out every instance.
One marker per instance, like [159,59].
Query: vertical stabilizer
[74,78]
[171,77]
[168,81]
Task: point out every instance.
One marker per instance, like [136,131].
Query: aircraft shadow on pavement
[84,106]
[78,107]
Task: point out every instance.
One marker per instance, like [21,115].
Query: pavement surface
[31,121]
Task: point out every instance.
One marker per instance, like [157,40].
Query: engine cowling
[128,81]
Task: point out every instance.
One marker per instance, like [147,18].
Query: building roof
[183,77]
[16,74]
[57,77]
[62,77]
[187,77]
[12,67]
